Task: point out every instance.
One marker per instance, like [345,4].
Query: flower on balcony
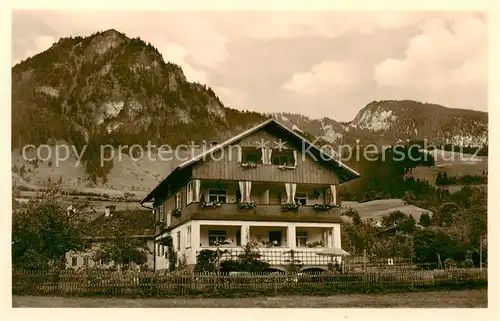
[210,204]
[223,242]
[287,166]
[290,206]
[176,212]
[270,243]
[314,244]
[322,207]
[247,206]
[249,164]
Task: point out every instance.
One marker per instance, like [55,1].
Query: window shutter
[294,157]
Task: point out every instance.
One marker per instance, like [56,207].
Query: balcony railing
[262,212]
[280,257]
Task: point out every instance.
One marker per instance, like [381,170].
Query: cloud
[230,97]
[335,76]
[177,54]
[446,61]
[33,46]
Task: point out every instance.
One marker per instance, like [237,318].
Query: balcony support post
[245,234]
[291,236]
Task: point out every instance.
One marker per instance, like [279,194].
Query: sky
[316,63]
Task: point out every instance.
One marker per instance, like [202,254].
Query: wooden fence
[102,282]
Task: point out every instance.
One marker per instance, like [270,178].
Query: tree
[249,260]
[42,233]
[205,261]
[425,220]
[120,245]
[354,215]
[393,218]
[407,225]
[446,213]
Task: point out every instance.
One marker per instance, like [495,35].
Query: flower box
[323,207]
[314,244]
[247,206]
[176,212]
[249,165]
[286,167]
[290,207]
[210,204]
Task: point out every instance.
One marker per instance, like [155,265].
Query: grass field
[439,299]
[379,208]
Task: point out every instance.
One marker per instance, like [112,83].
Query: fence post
[481,254]
[364,260]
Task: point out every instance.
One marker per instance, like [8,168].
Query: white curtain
[294,157]
[242,186]
[269,155]
[287,189]
[196,188]
[333,190]
[293,188]
[264,155]
[248,189]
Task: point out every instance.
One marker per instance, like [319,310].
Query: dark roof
[136,222]
[346,173]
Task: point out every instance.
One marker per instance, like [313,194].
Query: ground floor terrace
[278,243]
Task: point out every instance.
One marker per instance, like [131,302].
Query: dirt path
[452,299]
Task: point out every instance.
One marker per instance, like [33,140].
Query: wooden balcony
[262,212]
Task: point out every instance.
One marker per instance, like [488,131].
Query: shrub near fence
[111,283]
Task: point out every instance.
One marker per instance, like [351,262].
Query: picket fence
[102,282]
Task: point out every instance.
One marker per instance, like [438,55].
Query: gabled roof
[137,222]
[348,172]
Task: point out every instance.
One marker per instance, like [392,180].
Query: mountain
[110,89]
[113,89]
[389,122]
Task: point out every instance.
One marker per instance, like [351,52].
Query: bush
[449,263]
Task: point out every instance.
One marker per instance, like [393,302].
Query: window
[188,236]
[179,241]
[301,198]
[178,200]
[301,238]
[189,193]
[238,238]
[216,236]
[283,157]
[86,261]
[162,250]
[275,237]
[217,195]
[74,261]
[251,155]
[158,248]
